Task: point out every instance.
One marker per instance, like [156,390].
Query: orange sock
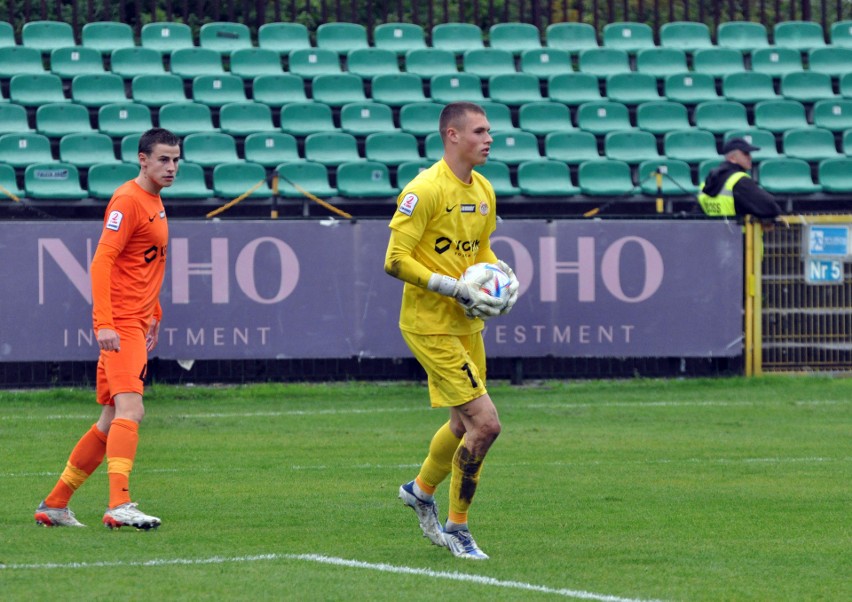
[86,456]
[121,451]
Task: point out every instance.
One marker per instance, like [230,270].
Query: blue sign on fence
[827,241]
[823,271]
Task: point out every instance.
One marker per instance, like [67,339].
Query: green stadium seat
[719,116]
[97,89]
[776,62]
[129,151]
[7,34]
[514,89]
[130,62]
[331,148]
[426,63]
[15,60]
[45,36]
[210,148]
[409,170]
[399,38]
[545,177]
[546,62]
[486,62]
[13,119]
[157,90]
[183,118]
[571,147]
[799,35]
[456,37]
[632,88]
[367,63]
[420,118]
[841,34]
[744,36]
[165,38]
[834,115]
[283,37]
[676,177]
[224,37]
[118,119]
[303,118]
[54,181]
[718,62]
[308,175]
[231,180]
[628,36]
[809,144]
[9,181]
[764,139]
[603,62]
[704,169]
[456,87]
[189,63]
[433,146]
[846,86]
[104,178]
[218,90]
[688,36]
[87,149]
[748,87]
[514,37]
[834,175]
[513,148]
[251,63]
[70,61]
[189,183]
[690,88]
[835,62]
[631,146]
[20,150]
[692,146]
[279,90]
[271,148]
[807,86]
[661,62]
[397,89]
[571,37]
[499,116]
[573,89]
[778,116]
[363,118]
[244,118]
[603,117]
[106,36]
[542,118]
[786,175]
[391,148]
[341,37]
[500,177]
[660,117]
[55,120]
[605,177]
[36,89]
[338,89]
[363,179]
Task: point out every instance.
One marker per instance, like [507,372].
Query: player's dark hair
[155,136]
[455,112]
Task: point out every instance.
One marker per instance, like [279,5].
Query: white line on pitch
[381,567]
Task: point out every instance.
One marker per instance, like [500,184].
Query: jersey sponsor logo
[459,247]
[449,209]
[163,214]
[114,220]
[483,208]
[442,245]
[468,208]
[409,202]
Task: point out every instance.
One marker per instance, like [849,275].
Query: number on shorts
[466,368]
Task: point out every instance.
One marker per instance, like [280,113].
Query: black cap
[738,144]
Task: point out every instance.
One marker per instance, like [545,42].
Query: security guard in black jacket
[729,190]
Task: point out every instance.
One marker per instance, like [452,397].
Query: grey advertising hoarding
[267,289]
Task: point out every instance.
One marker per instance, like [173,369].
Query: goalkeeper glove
[513,287]
[476,302]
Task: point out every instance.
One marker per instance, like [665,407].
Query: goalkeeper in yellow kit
[442,225]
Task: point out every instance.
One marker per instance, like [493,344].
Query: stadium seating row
[341,37]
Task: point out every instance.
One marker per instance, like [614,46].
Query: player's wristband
[443,285]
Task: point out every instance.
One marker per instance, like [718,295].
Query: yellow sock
[466,470]
[438,463]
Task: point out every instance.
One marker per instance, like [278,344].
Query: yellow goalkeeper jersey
[453,222]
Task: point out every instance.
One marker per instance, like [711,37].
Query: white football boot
[128,515]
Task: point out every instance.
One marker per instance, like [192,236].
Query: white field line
[381,567]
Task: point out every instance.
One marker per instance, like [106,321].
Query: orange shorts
[123,371]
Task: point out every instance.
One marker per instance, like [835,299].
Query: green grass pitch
[727,489]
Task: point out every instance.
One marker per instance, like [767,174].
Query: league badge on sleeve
[114,220]
[408,203]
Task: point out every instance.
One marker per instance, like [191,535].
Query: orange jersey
[130,261]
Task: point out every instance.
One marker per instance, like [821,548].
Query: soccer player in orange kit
[127,274]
